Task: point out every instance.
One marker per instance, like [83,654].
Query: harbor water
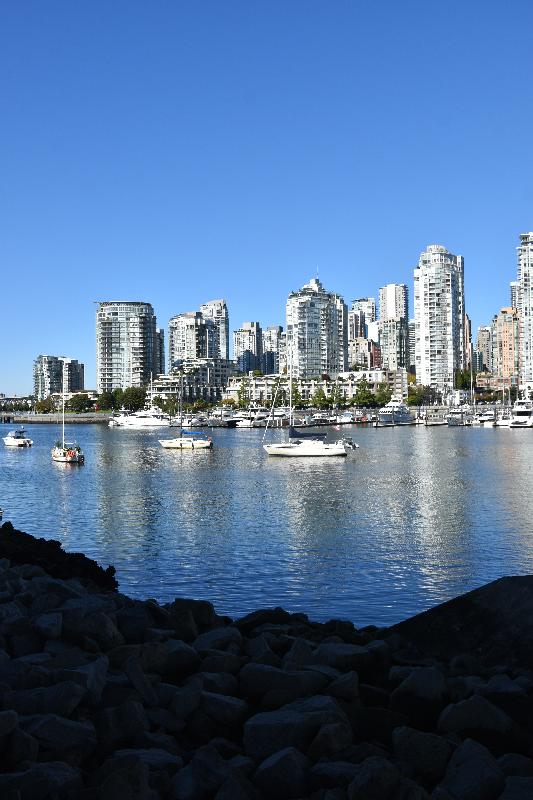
[412,518]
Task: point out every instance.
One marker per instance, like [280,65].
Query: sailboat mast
[291,415]
[63,428]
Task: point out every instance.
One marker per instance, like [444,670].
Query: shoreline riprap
[103,696]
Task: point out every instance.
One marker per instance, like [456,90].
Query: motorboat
[486,419]
[188,440]
[459,417]
[395,413]
[17,438]
[522,414]
[148,418]
[67,452]
[194,421]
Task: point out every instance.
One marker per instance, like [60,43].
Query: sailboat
[306,444]
[67,452]
[188,440]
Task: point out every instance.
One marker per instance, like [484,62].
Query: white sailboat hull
[67,456]
[306,449]
[186,443]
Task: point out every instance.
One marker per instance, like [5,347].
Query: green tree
[134,398]
[243,395]
[118,399]
[383,394]
[79,403]
[46,406]
[319,399]
[364,396]
[420,395]
[106,401]
[337,396]
[463,379]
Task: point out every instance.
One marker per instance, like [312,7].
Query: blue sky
[176,152]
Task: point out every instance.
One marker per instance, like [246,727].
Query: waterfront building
[217,311]
[248,347]
[317,331]
[514,289]
[271,347]
[439,318]
[505,347]
[366,306]
[394,326]
[524,305]
[202,379]
[484,347]
[191,335]
[56,374]
[262,388]
[126,345]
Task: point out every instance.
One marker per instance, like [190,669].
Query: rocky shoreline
[103,696]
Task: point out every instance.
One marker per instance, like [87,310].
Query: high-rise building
[248,347]
[217,311]
[271,347]
[393,301]
[505,350]
[317,331]
[160,351]
[484,346]
[365,310]
[191,335]
[514,289]
[55,374]
[524,305]
[126,345]
[439,318]
[412,339]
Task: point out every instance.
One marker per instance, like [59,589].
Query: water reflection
[411,518]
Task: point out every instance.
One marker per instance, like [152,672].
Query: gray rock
[217,639]
[117,727]
[507,695]
[154,758]
[186,699]
[473,773]
[181,659]
[12,611]
[343,657]
[374,723]
[283,775]
[41,781]
[164,720]
[131,783]
[202,777]
[299,655]
[225,710]
[202,611]
[463,687]
[517,788]
[332,774]
[60,699]
[421,696]
[139,681]
[375,779]
[477,718]
[294,725]
[161,741]
[427,753]
[241,764]
[19,747]
[91,676]
[219,682]
[516,765]
[330,739]
[221,661]
[344,688]
[59,738]
[8,722]
[134,620]
[260,651]
[49,625]
[236,787]
[258,679]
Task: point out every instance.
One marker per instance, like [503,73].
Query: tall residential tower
[127,345]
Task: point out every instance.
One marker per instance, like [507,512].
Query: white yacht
[486,419]
[148,418]
[459,417]
[17,438]
[522,414]
[395,413]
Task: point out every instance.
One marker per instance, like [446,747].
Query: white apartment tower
[484,346]
[393,301]
[55,374]
[217,311]
[271,349]
[127,350]
[439,318]
[524,305]
[394,326]
[317,332]
[191,335]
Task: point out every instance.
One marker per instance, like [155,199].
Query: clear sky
[176,152]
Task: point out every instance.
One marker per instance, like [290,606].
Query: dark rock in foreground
[102,696]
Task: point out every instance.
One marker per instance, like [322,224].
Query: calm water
[412,518]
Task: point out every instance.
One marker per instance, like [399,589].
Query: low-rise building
[202,379]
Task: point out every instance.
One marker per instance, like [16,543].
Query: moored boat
[17,438]
[522,414]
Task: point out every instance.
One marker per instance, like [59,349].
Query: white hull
[10,441]
[186,443]
[139,422]
[306,449]
[521,424]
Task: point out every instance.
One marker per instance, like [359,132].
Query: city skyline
[179,153]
